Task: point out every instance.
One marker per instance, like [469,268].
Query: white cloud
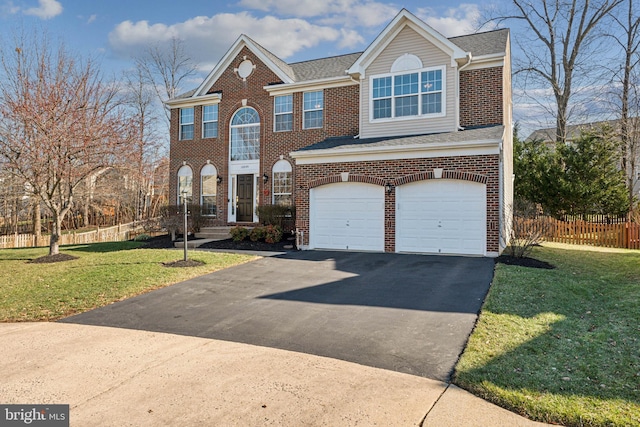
[349,13]
[8,8]
[46,9]
[92,18]
[454,22]
[208,38]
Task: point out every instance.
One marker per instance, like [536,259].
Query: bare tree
[139,97]
[628,39]
[59,122]
[559,36]
[166,67]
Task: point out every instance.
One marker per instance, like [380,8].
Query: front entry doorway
[244,201]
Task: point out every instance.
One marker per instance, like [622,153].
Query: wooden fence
[117,233]
[622,235]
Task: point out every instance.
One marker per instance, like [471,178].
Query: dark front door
[245,198]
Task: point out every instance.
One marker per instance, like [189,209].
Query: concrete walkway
[118,377]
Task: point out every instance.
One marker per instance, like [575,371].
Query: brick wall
[397,172]
[340,119]
[481,96]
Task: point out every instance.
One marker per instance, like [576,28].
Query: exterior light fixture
[265,178]
[389,187]
[219,179]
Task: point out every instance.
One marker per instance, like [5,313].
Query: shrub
[258,233]
[239,233]
[273,233]
[141,238]
[282,216]
[527,230]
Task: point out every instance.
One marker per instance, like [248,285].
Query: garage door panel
[347,216]
[441,216]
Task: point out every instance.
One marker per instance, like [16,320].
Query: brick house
[405,147]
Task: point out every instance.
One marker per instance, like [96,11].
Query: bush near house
[278,215]
[269,234]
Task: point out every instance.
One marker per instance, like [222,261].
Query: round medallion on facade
[245,68]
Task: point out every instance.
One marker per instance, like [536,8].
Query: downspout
[469,60]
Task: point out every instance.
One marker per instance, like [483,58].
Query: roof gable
[403,19]
[275,64]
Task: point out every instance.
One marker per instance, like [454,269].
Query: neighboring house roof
[574,131]
[486,133]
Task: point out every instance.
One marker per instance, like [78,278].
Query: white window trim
[281,166]
[232,127]
[282,114]
[315,109]
[211,121]
[186,171]
[206,171]
[181,123]
[443,113]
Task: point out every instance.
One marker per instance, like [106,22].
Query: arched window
[185,184]
[208,190]
[245,135]
[282,183]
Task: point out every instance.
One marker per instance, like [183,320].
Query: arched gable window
[185,184]
[245,135]
[282,183]
[208,190]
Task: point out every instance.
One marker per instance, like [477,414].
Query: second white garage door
[347,215]
[441,216]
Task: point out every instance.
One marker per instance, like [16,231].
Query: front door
[245,198]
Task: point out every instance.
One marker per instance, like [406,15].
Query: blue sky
[115,30]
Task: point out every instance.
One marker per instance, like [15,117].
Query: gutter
[469,60]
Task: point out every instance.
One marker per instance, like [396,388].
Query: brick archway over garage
[446,174]
[350,178]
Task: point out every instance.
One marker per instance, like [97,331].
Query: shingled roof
[480,44]
[486,133]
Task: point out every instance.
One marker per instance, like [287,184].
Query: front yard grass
[102,274]
[561,346]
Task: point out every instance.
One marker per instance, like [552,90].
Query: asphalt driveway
[406,313]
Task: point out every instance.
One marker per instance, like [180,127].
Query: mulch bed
[53,258]
[164,242]
[524,262]
[183,263]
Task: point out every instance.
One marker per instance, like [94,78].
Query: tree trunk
[54,242]
[37,221]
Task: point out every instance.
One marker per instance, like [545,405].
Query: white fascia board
[234,50]
[414,151]
[319,84]
[212,98]
[402,19]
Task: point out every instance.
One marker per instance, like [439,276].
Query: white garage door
[347,215]
[441,216]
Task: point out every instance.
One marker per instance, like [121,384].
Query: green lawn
[561,346]
[102,274]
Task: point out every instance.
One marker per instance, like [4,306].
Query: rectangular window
[209,187]
[282,188]
[186,123]
[382,97]
[210,121]
[416,94]
[313,105]
[432,92]
[405,90]
[283,107]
